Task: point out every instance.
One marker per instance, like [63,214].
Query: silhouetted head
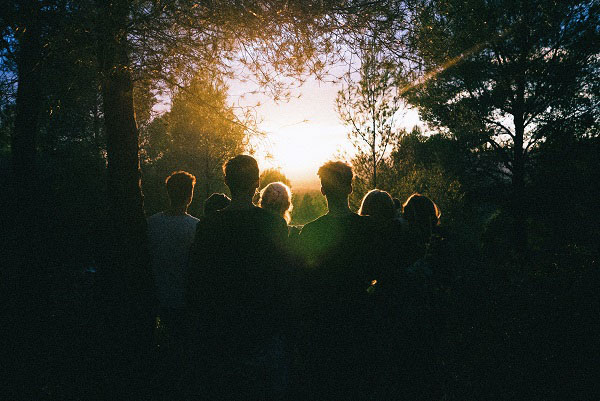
[216,202]
[336,179]
[241,175]
[421,213]
[378,204]
[277,198]
[180,187]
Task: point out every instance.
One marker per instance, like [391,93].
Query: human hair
[216,202]
[180,187]
[336,178]
[241,174]
[421,213]
[277,198]
[378,204]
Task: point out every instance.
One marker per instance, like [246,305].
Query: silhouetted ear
[351,189]
[323,191]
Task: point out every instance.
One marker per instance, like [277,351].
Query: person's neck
[241,202]
[338,206]
[176,211]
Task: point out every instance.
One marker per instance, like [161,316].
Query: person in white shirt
[170,235]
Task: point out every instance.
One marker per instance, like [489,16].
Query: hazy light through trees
[296,126]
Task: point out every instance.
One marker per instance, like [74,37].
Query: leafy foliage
[502,77]
[428,165]
[272,175]
[368,107]
[492,69]
[491,325]
[198,135]
[308,206]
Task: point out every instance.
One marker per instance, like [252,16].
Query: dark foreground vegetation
[487,324]
[509,89]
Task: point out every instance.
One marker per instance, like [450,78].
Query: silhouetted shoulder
[332,237]
[294,231]
[313,225]
[254,224]
[230,244]
[271,223]
[209,218]
[268,216]
[338,226]
[207,225]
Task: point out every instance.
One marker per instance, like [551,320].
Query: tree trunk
[126,279]
[125,195]
[519,200]
[29,100]
[207,178]
[96,125]
[25,224]
[374,157]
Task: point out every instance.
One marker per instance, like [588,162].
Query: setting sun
[165,234]
[301,133]
[305,131]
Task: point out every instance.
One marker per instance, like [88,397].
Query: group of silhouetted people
[258,309]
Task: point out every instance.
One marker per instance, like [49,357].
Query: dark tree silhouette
[505,75]
[26,20]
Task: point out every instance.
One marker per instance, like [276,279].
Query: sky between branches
[304,131]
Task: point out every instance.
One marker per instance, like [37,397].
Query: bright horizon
[304,132]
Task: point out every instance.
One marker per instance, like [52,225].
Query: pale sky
[304,132]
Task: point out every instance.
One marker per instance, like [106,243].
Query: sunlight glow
[303,132]
[300,150]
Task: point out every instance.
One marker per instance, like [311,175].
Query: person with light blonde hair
[277,198]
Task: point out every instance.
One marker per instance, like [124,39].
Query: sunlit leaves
[199,134]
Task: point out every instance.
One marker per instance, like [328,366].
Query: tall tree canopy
[130,51]
[505,75]
[198,134]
